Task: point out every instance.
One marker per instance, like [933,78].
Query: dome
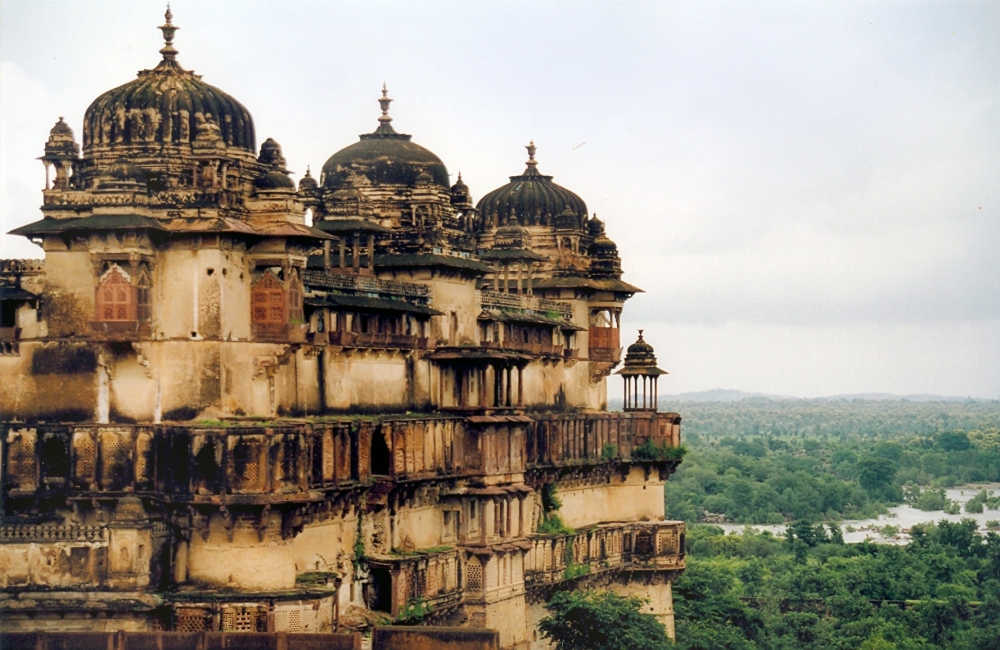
[164,106]
[307,182]
[61,142]
[533,198]
[385,157]
[274,180]
[640,355]
[511,235]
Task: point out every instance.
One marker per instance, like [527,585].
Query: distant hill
[732,395]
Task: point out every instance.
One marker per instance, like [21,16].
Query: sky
[809,193]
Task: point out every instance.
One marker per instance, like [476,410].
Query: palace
[231,402]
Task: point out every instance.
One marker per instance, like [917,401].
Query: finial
[640,335]
[384,102]
[531,153]
[308,170]
[169,52]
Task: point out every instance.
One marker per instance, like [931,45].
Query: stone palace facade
[217,414]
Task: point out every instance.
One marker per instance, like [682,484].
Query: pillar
[356,253]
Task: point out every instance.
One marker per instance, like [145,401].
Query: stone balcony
[631,546]
[249,462]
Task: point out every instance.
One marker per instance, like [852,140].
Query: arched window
[115,301]
[295,297]
[267,301]
[143,295]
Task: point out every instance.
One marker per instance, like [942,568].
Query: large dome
[164,107]
[384,157]
[534,199]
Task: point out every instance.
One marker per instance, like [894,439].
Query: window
[144,295]
[115,301]
[267,301]
[295,298]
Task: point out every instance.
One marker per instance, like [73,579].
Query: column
[520,385]
[371,251]
[356,253]
[343,252]
[507,386]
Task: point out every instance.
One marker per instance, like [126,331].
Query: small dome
[461,197]
[307,182]
[511,235]
[459,187]
[384,157]
[534,199]
[129,509]
[275,180]
[164,106]
[270,155]
[61,142]
[640,356]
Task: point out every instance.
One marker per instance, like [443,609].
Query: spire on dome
[384,126]
[169,52]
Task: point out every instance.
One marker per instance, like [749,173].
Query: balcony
[640,546]
[428,579]
[251,462]
[378,341]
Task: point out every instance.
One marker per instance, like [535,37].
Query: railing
[257,462]
[348,339]
[542,349]
[490,299]
[365,283]
[636,546]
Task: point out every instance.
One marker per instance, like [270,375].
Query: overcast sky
[809,193]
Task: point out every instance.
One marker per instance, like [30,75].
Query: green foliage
[928,500]
[552,524]
[609,452]
[981,501]
[550,501]
[414,611]
[588,620]
[771,462]
[648,450]
[753,590]
[574,570]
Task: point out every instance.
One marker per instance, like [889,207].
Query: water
[902,517]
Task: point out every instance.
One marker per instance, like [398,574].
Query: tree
[876,475]
[589,620]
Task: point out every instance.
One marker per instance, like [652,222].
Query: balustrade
[637,546]
[242,460]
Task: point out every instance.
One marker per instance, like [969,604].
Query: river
[902,517]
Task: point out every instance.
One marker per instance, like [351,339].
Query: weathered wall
[434,638]
[633,500]
[45,370]
[244,562]
[658,592]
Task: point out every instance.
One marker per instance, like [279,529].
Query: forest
[810,464]
[770,462]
